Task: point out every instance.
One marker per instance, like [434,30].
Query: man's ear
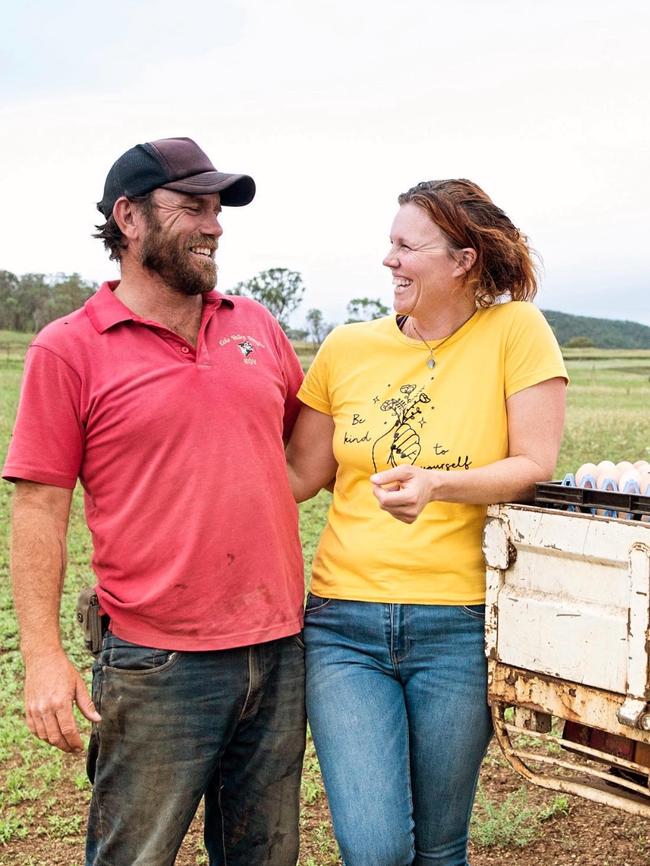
[127,218]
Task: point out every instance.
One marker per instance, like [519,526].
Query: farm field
[44,793]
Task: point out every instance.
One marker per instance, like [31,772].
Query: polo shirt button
[185,350]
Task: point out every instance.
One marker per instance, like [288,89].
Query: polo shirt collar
[105,310]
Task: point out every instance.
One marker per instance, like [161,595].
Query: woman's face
[424,272]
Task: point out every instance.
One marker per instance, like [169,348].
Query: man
[169,402]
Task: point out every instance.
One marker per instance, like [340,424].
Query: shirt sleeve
[532,352]
[47,444]
[315,390]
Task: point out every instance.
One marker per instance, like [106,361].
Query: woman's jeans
[396,700]
[227,725]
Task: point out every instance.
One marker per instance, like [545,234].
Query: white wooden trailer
[567,641]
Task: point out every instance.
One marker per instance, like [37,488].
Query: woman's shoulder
[512,314]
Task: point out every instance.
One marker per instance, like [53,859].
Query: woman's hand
[404,491]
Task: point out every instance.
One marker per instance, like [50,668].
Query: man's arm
[38,562]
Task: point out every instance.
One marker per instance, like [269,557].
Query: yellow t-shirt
[389,408]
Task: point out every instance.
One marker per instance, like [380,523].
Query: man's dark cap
[172,163]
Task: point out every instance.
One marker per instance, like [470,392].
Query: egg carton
[566,496]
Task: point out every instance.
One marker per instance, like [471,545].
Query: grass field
[43,792]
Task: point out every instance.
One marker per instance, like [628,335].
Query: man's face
[182,234]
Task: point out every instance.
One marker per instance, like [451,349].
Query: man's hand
[52,687]
[404,491]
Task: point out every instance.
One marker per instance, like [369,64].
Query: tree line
[586,331]
[28,302]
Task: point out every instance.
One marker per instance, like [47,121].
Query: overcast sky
[335,107]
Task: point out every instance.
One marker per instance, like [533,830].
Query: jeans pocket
[131,658]
[315,602]
[476,611]
[299,639]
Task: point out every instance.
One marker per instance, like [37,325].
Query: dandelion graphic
[401,443]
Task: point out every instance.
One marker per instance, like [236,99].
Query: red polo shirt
[180,454]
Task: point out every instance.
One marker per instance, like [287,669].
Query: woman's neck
[441,324]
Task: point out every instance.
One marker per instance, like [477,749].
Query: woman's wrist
[438,484]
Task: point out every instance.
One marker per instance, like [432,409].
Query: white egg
[607,469]
[585,470]
[626,476]
[622,466]
[642,466]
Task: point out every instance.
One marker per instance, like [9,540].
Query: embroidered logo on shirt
[246,348]
[246,344]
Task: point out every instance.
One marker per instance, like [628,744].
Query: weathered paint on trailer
[568,638]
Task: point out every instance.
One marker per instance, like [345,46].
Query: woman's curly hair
[504,266]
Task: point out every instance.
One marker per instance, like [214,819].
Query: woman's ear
[465,259]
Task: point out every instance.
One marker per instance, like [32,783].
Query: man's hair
[110,233]
[468,217]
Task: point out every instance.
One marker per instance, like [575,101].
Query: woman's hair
[469,218]
[110,233]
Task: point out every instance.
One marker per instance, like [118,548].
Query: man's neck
[149,297]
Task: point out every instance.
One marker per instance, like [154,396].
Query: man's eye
[404,247]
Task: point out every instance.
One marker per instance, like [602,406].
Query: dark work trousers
[226,725]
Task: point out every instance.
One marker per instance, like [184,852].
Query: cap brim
[235,189]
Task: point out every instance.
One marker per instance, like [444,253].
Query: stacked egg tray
[587,500]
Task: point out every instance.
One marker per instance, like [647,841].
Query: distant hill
[601,333]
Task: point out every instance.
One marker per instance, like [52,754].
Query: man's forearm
[38,563]
[38,559]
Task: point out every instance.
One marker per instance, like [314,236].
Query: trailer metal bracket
[632,713]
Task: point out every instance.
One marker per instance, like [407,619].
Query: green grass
[607,418]
[512,823]
[607,409]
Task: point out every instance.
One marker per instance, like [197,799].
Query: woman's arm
[535,423]
[310,459]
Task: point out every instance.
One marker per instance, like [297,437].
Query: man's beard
[182,270]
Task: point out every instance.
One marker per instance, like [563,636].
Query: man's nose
[210,225]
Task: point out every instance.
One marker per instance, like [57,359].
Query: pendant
[431,363]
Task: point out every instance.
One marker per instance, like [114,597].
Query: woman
[424,419]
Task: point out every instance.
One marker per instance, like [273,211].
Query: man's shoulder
[252,309]
[65,332]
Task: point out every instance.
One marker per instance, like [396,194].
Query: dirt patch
[524,824]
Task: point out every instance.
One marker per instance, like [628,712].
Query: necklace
[431,361]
